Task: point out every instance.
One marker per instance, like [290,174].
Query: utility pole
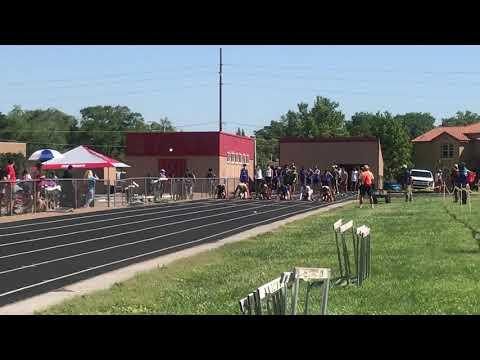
[220,92]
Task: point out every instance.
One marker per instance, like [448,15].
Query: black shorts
[365,190]
[268,180]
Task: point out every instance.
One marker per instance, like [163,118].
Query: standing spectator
[463,181]
[471,179]
[366,183]
[301,176]
[408,186]
[67,188]
[316,178]
[344,180]
[211,182]
[336,178]
[308,177]
[10,189]
[293,180]
[328,180]
[439,181]
[160,185]
[244,174]
[454,178]
[258,180]
[67,174]
[354,179]
[189,180]
[405,177]
[269,177]
[90,195]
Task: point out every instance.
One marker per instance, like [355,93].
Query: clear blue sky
[261,82]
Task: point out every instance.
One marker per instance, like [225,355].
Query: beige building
[13,147]
[442,147]
[348,152]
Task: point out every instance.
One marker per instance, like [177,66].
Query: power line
[58,144]
[358,70]
[194,68]
[108,131]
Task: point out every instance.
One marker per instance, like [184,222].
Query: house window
[447,151]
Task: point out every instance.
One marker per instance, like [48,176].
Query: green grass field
[425,260]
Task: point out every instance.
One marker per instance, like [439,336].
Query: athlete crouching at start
[241,191]
[306,193]
[221,193]
[264,192]
[284,192]
[327,194]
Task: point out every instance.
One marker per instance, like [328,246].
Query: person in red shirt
[12,179]
[366,185]
[471,179]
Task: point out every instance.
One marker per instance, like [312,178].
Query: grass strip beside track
[425,261]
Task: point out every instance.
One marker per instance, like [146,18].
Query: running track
[41,255]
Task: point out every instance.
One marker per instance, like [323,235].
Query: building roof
[458,132]
[293,139]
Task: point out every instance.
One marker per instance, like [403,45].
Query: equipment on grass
[282,293]
[361,249]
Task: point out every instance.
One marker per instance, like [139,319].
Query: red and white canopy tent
[83,157]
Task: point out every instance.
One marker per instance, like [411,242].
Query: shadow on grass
[475,232]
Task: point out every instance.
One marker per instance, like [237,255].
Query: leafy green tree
[267,151]
[163,125]
[107,125]
[416,123]
[393,135]
[323,119]
[461,118]
[396,149]
[50,128]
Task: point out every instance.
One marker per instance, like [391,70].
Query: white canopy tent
[82,157]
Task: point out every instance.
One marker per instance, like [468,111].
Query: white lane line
[109,219]
[143,208]
[149,253]
[122,224]
[123,233]
[138,241]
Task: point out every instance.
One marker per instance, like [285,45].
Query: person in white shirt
[354,180]
[306,193]
[268,175]
[258,180]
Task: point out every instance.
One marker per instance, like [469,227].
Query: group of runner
[284,182]
[281,180]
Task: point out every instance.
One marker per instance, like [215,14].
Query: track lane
[84,261]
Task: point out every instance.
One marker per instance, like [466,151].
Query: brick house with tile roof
[442,147]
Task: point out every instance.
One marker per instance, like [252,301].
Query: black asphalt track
[42,255]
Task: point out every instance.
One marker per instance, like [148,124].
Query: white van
[422,179]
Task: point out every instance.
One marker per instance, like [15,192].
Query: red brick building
[147,153]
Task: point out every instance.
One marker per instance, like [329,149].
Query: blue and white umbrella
[45,155]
